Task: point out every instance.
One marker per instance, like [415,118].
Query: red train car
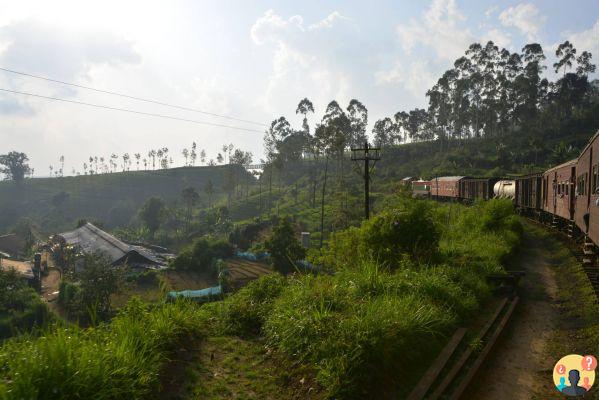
[558,190]
[446,187]
[529,191]
[587,190]
[421,188]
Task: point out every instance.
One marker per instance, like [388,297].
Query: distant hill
[57,203]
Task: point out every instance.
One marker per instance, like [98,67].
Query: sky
[248,60]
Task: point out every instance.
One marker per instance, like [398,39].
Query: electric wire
[131,111]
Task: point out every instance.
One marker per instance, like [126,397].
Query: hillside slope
[113,199]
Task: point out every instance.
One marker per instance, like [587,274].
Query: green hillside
[113,199]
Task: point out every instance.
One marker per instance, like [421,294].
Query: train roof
[448,178]
[567,163]
[591,140]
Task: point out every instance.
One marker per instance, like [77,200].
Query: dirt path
[513,370]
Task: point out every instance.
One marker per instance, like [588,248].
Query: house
[89,239]
[12,245]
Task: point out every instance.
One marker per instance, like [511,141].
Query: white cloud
[525,17]
[499,37]
[417,78]
[317,60]
[490,11]
[439,29]
[585,40]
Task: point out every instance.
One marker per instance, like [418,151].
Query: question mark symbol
[589,363]
[561,369]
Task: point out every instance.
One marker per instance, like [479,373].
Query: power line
[131,111]
[132,97]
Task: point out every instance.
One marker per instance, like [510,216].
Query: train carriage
[446,187]
[477,188]
[587,189]
[421,188]
[529,192]
[558,190]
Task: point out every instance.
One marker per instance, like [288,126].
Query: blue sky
[252,60]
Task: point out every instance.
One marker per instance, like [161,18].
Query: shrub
[67,292]
[412,230]
[201,254]
[284,248]
[21,309]
[244,313]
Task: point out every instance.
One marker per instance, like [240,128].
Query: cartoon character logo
[574,375]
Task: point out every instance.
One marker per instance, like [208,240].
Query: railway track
[450,375]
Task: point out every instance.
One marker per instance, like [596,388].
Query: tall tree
[567,54]
[14,165]
[152,214]
[358,118]
[209,190]
[190,198]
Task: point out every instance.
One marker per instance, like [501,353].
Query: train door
[571,191]
[587,185]
[554,195]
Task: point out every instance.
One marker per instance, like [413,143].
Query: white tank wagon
[505,189]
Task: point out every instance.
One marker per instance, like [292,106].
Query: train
[565,196]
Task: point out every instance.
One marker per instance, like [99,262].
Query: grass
[578,306]
[368,330]
[119,360]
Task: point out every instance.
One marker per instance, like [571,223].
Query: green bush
[244,313]
[284,247]
[21,309]
[409,231]
[201,254]
[67,292]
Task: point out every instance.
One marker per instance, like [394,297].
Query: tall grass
[119,360]
[369,330]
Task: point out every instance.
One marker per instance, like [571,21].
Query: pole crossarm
[366,154]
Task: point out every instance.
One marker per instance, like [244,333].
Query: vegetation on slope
[119,360]
[373,326]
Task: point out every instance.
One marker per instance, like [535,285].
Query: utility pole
[366,154]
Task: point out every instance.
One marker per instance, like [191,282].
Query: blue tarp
[202,294]
[246,255]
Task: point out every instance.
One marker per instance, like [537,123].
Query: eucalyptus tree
[358,119]
[304,107]
[185,153]
[567,54]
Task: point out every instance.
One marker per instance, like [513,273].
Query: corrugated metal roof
[91,239]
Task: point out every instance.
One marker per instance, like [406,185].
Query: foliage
[21,309]
[119,360]
[284,248]
[152,214]
[201,254]
[243,314]
[243,236]
[393,237]
[89,297]
[14,166]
